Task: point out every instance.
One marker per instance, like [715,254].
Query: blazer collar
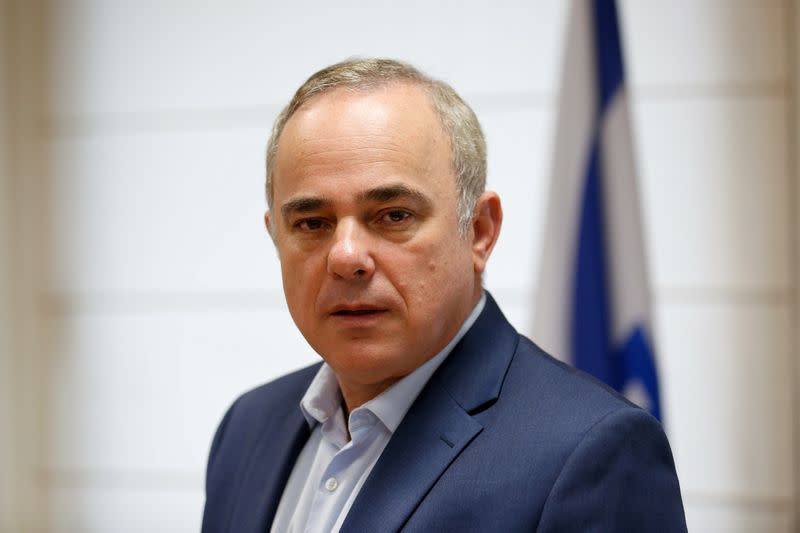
[474,372]
[437,427]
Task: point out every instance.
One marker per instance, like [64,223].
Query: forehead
[366,107]
[387,132]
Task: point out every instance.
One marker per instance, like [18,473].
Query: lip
[355,308]
[357,315]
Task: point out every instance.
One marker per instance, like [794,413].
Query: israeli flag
[593,303]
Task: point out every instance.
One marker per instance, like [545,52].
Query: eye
[310,224]
[395,216]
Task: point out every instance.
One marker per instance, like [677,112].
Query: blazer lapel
[437,427]
[267,471]
[411,463]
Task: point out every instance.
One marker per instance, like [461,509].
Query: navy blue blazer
[503,438]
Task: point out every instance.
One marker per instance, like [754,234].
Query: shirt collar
[323,398]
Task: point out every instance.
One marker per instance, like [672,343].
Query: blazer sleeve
[213,510]
[620,477]
[218,434]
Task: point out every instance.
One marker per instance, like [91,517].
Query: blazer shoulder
[598,444]
[267,414]
[575,385]
[257,408]
[549,393]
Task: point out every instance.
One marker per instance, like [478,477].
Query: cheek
[299,276]
[428,277]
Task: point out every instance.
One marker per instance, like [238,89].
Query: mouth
[357,311]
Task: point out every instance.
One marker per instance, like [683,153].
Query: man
[430,412]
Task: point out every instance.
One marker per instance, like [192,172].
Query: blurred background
[139,293]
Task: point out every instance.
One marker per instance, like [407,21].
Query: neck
[355,396]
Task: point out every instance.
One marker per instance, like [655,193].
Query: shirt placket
[343,473]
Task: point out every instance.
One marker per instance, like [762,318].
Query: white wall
[163,301]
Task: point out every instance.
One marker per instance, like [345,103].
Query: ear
[486,222]
[267,224]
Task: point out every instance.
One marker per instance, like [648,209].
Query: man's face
[365,221]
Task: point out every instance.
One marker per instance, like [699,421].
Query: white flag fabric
[592,306]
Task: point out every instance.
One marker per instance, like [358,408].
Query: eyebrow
[394,192]
[303,205]
[308,204]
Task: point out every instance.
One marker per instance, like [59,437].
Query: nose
[349,256]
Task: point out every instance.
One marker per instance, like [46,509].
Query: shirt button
[331,484]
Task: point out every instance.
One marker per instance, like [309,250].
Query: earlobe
[486,225]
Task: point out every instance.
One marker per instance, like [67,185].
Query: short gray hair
[457,118]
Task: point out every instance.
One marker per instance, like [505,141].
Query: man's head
[366,211]
[456,117]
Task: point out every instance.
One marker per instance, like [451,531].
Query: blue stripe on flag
[591,329]
[638,363]
[608,51]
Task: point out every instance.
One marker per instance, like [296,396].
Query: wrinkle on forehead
[330,155]
[331,159]
[320,148]
[369,116]
[341,130]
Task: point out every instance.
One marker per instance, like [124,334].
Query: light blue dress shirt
[331,469]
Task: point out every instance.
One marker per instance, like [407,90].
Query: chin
[368,363]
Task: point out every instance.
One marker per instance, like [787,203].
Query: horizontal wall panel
[158,56]
[146,391]
[181,210]
[114,57]
[715,192]
[89,507]
[736,517]
[96,509]
[161,211]
[713,42]
[726,373]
